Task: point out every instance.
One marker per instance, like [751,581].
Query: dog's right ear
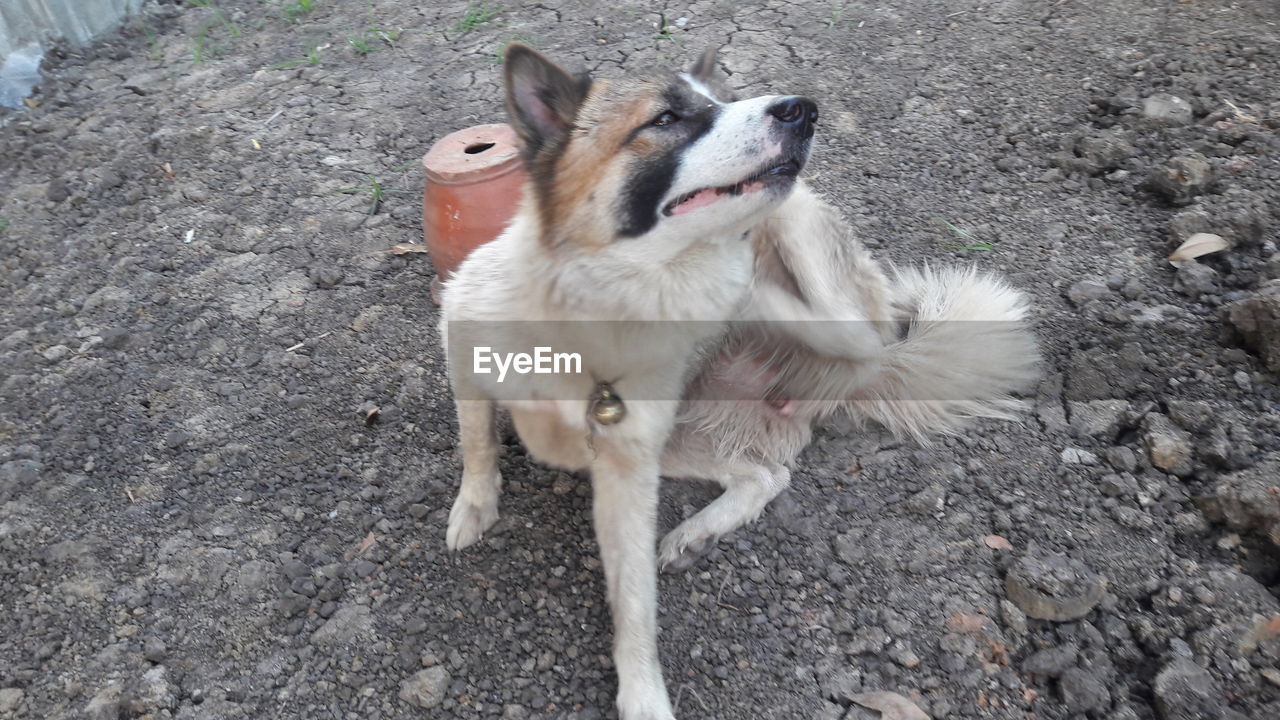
[542,98]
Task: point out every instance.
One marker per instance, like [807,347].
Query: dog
[719,310]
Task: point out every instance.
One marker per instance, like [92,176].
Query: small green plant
[203,45]
[477,14]
[295,9]
[973,242]
[836,16]
[4,223]
[365,41]
[664,30]
[376,192]
[312,58]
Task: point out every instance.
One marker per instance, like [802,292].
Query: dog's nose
[798,113]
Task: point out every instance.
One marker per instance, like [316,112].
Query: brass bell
[606,407]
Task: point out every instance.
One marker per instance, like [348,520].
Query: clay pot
[472,190]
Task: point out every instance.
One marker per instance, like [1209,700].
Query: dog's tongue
[700,199]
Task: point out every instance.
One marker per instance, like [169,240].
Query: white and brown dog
[718,309]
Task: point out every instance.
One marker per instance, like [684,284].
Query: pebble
[154,650]
[1182,178]
[1194,279]
[1167,109]
[1082,691]
[1096,418]
[1076,456]
[1185,691]
[929,501]
[1168,445]
[1053,661]
[348,623]
[1122,458]
[1054,587]
[426,688]
[1086,291]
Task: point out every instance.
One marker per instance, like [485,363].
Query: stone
[1076,456]
[1167,109]
[9,699]
[426,688]
[1257,320]
[1086,291]
[1182,178]
[1185,691]
[1167,445]
[928,501]
[1096,418]
[1050,586]
[1249,499]
[1122,458]
[1194,279]
[1052,662]
[347,624]
[1082,691]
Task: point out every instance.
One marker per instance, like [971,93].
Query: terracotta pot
[472,190]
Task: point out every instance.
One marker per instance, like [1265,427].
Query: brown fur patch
[579,191]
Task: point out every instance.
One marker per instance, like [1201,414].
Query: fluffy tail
[966,350]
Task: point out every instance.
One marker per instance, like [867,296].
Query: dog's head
[674,153]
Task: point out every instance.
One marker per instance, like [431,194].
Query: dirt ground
[198,301]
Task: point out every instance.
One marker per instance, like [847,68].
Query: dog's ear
[542,98]
[705,68]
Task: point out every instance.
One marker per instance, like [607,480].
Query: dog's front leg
[624,476]
[476,508]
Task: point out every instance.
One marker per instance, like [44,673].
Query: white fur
[797,267]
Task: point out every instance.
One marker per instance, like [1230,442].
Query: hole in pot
[477,148]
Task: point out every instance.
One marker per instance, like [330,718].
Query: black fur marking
[651,179]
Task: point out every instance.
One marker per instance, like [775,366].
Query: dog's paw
[683,546]
[468,522]
[649,706]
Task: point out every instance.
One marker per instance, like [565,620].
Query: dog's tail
[965,349]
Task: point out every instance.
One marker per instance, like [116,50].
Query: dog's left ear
[705,68]
[542,98]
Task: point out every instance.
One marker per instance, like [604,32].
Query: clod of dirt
[1167,109]
[1257,319]
[1054,587]
[1249,499]
[1182,178]
[1186,691]
[426,688]
[1168,445]
[1195,280]
[1239,216]
[1082,691]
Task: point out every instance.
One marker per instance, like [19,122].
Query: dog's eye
[666,117]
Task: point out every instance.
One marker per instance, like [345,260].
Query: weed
[974,242]
[365,41]
[477,14]
[312,58]
[4,223]
[664,30]
[376,192]
[837,15]
[295,9]
[219,17]
[203,45]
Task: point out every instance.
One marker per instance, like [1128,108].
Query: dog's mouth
[782,172]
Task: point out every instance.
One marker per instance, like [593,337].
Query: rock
[1167,109]
[1271,270]
[928,501]
[1096,418]
[1054,587]
[1186,691]
[840,683]
[1168,445]
[426,688]
[1182,178]
[865,640]
[1121,485]
[1052,662]
[1082,691]
[154,650]
[1103,151]
[1257,319]
[1249,499]
[1076,456]
[1086,291]
[9,699]
[1122,458]
[1190,414]
[1194,279]
[347,624]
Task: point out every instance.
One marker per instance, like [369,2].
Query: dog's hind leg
[748,488]
[476,508]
